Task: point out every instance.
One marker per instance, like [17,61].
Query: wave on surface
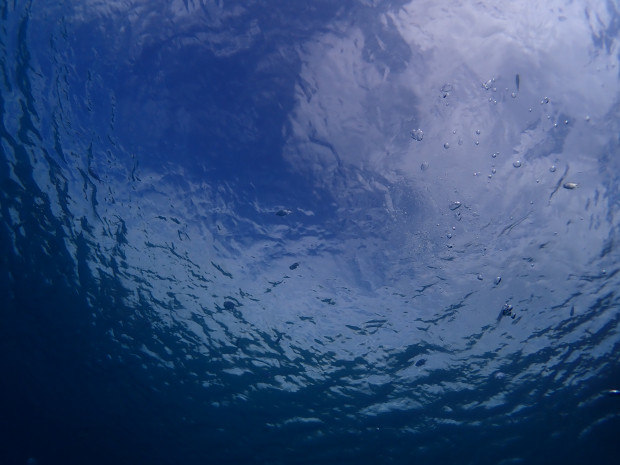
[228,208]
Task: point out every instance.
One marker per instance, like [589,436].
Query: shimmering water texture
[250,234]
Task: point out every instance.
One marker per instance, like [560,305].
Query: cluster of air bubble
[488,85]
[456,207]
[417,134]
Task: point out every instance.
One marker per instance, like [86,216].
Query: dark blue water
[220,244]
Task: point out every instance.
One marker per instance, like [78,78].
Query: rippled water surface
[239,232]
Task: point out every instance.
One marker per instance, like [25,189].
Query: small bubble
[479,277]
[565,121]
[476,173]
[544,101]
[489,176]
[498,280]
[587,117]
[446,145]
[493,171]
[449,236]
[553,168]
[530,110]
[478,131]
[477,142]
[516,164]
[453,228]
[454,131]
[495,154]
[494,102]
[513,95]
[555,125]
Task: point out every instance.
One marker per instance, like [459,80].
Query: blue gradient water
[220,243]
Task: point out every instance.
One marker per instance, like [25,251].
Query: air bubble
[479,277]
[544,101]
[446,145]
[493,171]
[478,131]
[495,154]
[498,280]
[553,168]
[516,164]
[507,309]
[513,95]
[477,142]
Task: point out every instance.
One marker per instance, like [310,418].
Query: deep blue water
[221,243]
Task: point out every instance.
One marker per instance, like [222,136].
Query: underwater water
[354,232]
